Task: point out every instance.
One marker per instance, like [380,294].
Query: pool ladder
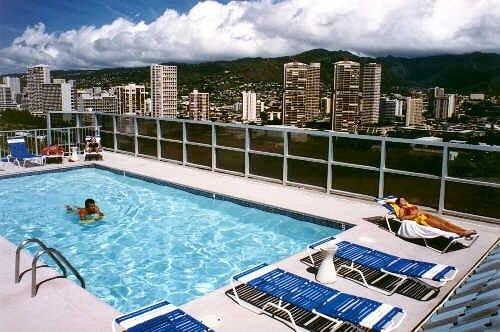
[54,254]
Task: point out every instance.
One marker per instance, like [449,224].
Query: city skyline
[126,36]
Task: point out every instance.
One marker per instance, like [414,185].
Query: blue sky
[91,34]
[61,15]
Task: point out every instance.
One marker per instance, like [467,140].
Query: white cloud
[211,30]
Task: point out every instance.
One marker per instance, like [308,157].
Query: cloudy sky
[110,33]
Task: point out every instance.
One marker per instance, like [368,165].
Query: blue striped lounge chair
[388,265]
[19,154]
[290,297]
[159,317]
[394,224]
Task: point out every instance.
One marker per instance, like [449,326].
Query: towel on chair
[411,230]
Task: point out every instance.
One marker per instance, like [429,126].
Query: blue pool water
[155,242]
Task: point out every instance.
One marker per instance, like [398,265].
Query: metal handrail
[58,257]
[42,245]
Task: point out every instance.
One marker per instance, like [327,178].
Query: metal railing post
[115,133]
[136,140]
[285,156]
[184,140]
[214,142]
[78,125]
[444,174]
[330,163]
[381,178]
[158,139]
[247,151]
[69,137]
[49,130]
[36,141]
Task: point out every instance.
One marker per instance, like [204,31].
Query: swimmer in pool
[90,209]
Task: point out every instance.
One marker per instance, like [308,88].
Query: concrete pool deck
[62,305]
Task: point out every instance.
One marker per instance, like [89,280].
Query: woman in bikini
[408,211]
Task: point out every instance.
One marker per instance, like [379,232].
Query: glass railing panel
[86,120]
[416,190]
[125,125]
[199,133]
[310,146]
[414,157]
[62,120]
[107,140]
[171,150]
[105,121]
[355,180]
[147,146]
[232,137]
[171,130]
[473,199]
[356,151]
[146,127]
[125,143]
[474,165]
[266,140]
[306,172]
[230,160]
[267,166]
[199,155]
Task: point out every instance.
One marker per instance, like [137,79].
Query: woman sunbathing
[412,212]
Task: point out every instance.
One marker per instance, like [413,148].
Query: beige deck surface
[61,305]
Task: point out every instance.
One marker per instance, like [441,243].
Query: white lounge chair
[161,316]
[363,261]
[409,229]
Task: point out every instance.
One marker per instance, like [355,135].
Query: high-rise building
[326,105]
[164,91]
[58,96]
[444,106]
[390,109]
[372,78]
[95,100]
[14,83]
[131,99]
[301,85]
[36,76]
[414,108]
[312,91]
[249,106]
[346,96]
[6,98]
[199,103]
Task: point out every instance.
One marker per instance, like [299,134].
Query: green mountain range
[464,73]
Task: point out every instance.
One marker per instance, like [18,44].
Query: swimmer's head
[90,204]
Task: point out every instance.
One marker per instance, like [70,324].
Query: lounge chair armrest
[314,245]
[248,271]
[394,325]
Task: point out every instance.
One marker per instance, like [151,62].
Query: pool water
[155,242]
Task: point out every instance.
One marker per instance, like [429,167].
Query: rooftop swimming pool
[155,242]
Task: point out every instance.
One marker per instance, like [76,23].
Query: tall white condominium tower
[58,96]
[6,98]
[372,77]
[36,76]
[346,101]
[249,106]
[164,91]
[131,99]
[414,108]
[14,83]
[198,105]
[301,93]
